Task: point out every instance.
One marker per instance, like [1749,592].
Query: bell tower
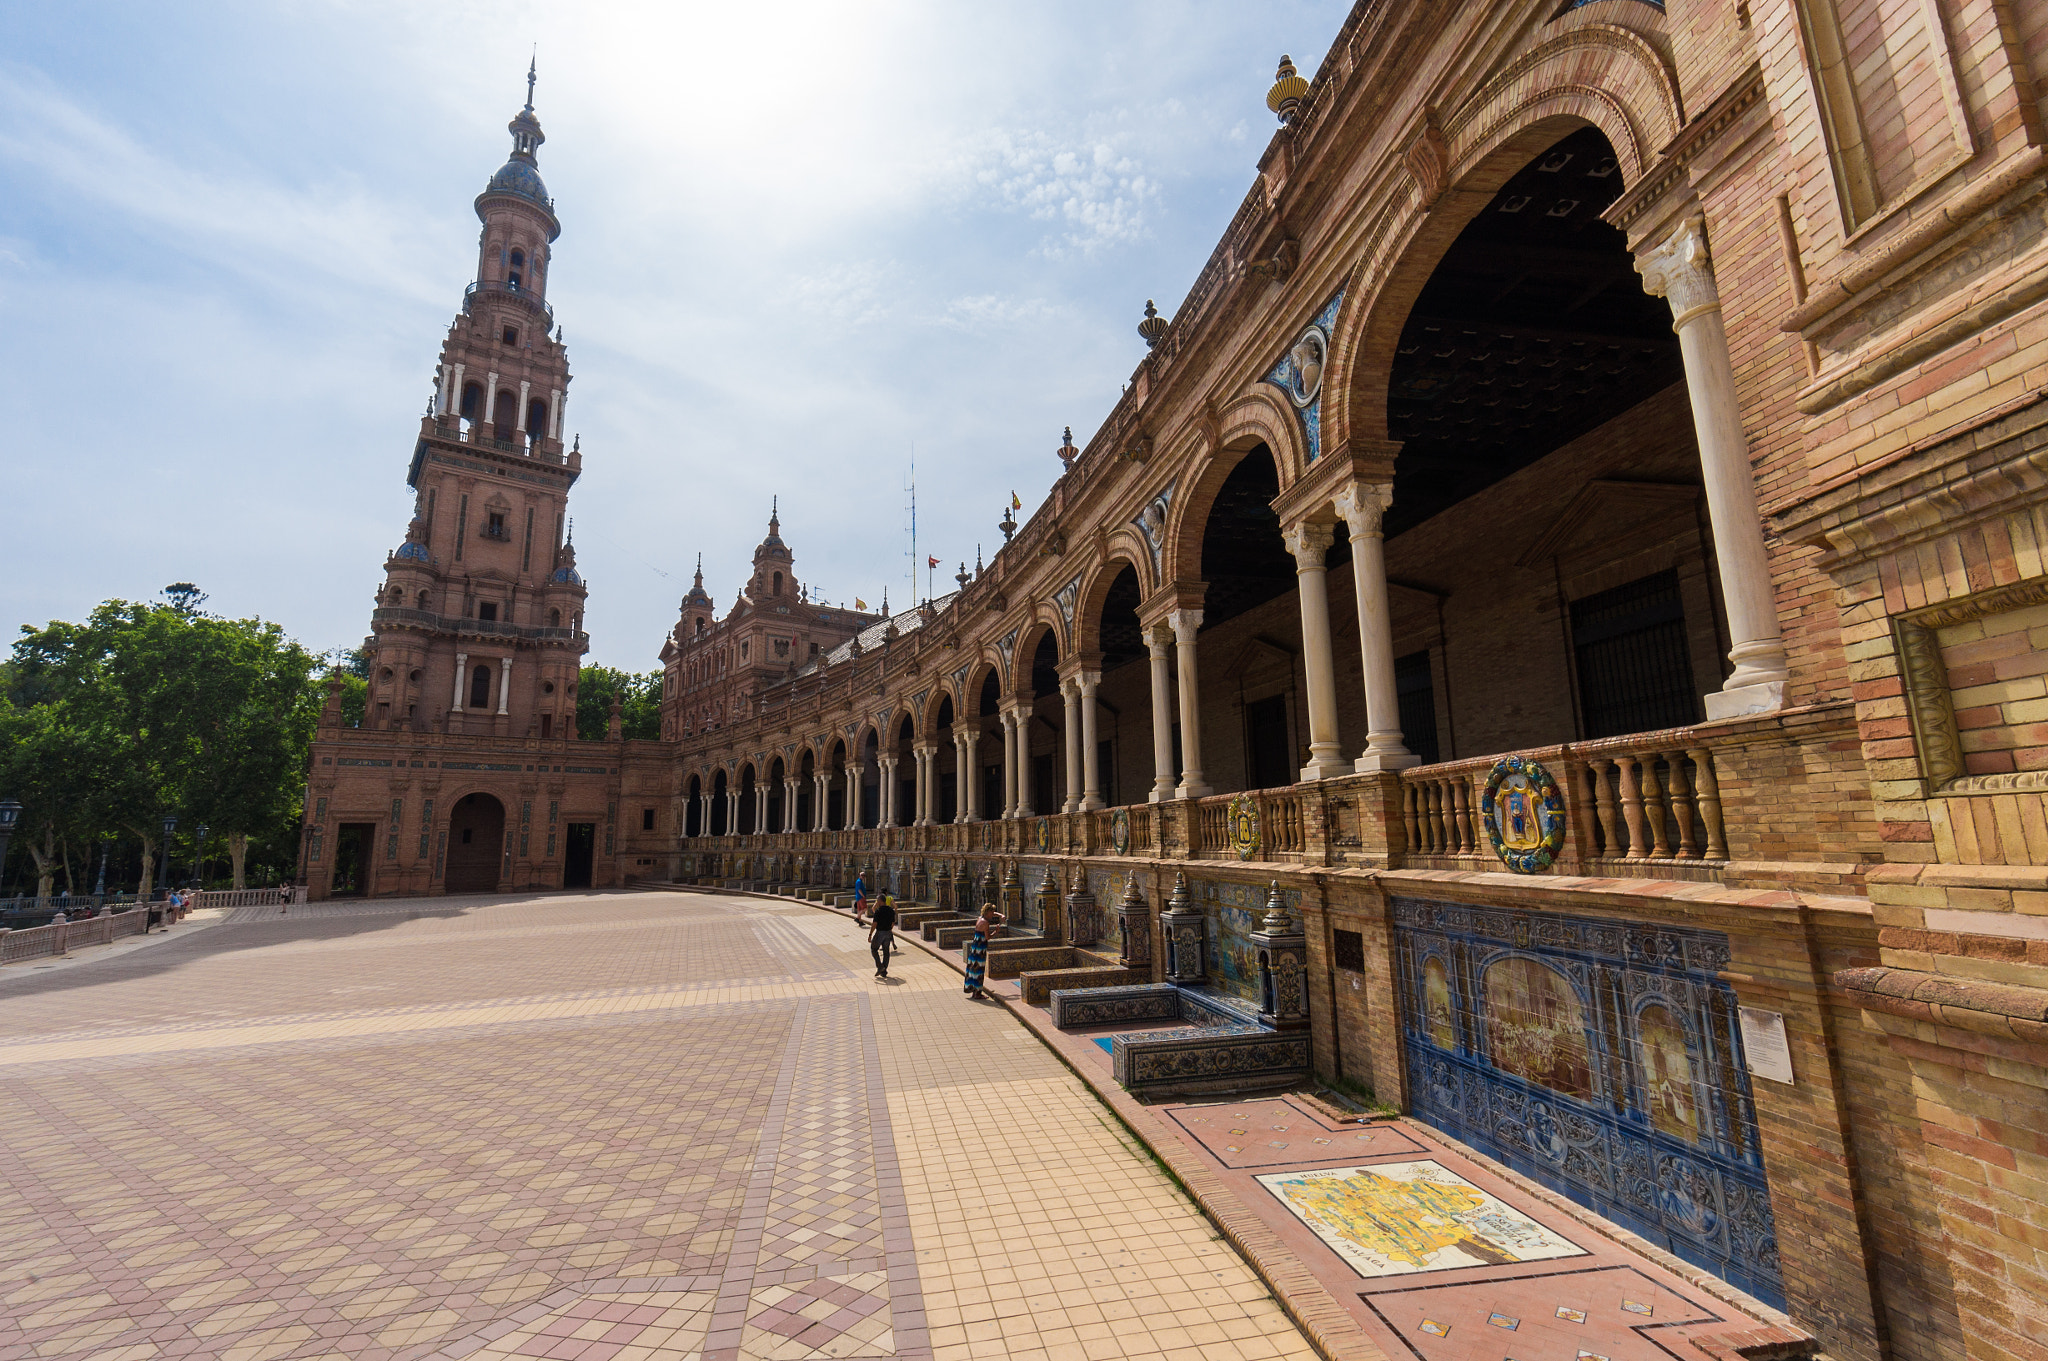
[478,627]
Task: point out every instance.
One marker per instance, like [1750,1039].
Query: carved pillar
[504,684]
[1362,505]
[1681,272]
[1186,623]
[1021,715]
[1070,693]
[855,773]
[461,673]
[1283,959]
[1009,763]
[1158,639]
[1185,935]
[1308,543]
[1091,774]
[886,787]
[1134,929]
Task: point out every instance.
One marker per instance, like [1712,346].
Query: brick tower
[479,624]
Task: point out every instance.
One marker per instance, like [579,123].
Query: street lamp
[10,813]
[170,825]
[198,855]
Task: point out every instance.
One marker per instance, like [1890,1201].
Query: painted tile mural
[1602,1058]
[1391,1219]
[1233,912]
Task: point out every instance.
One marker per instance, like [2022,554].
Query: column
[1186,624]
[1362,504]
[504,683]
[1308,543]
[454,401]
[1158,638]
[461,674]
[703,812]
[855,773]
[525,388]
[555,413]
[961,783]
[1022,717]
[789,803]
[760,808]
[490,398]
[920,780]
[1682,273]
[1070,730]
[1091,775]
[1009,722]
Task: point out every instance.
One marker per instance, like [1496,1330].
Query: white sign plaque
[1763,1041]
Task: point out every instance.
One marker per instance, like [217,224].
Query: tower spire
[531,64]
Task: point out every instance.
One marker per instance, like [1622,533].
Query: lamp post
[198,856]
[10,813]
[170,825]
[99,889]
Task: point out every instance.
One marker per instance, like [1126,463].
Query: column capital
[1070,687]
[1185,624]
[1308,541]
[1681,271]
[1087,681]
[1362,504]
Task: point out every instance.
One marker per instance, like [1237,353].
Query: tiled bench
[1208,1042]
[1040,984]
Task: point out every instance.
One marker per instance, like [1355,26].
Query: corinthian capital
[1185,624]
[1308,542]
[1681,272]
[1362,504]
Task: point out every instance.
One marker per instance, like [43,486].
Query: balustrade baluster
[1653,808]
[1603,802]
[1709,802]
[1632,809]
[1410,820]
[1681,807]
[1438,840]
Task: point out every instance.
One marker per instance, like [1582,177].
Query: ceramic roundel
[1244,826]
[1524,813]
[1305,363]
[1044,835]
[1120,831]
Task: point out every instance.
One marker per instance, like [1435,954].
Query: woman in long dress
[987,924]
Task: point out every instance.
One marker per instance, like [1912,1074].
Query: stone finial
[1182,900]
[1135,896]
[1153,327]
[1067,452]
[1278,920]
[1288,91]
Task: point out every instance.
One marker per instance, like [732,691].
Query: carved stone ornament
[1523,810]
[1243,819]
[1682,272]
[1428,159]
[1936,737]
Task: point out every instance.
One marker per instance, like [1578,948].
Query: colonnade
[1678,269]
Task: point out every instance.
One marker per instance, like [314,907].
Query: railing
[1649,796]
[41,941]
[512,293]
[481,628]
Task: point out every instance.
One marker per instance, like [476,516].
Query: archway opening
[719,822]
[693,810]
[476,844]
[1123,702]
[944,766]
[1042,734]
[748,798]
[777,811]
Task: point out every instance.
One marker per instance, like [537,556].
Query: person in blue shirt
[860,895]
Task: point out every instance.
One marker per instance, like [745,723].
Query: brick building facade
[1649,392]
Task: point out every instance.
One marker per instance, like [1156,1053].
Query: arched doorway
[476,844]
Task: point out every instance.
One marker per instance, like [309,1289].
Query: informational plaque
[1763,1040]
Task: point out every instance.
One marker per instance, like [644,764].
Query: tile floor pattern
[609,1126]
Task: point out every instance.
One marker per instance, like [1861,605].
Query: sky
[800,247]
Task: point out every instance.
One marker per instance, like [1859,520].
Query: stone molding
[1999,1010]
[1936,738]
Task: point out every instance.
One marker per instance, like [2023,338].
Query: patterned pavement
[627,1126]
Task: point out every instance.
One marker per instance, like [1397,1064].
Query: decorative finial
[1285,97]
[1067,452]
[1008,524]
[774,515]
[977,562]
[1153,326]
[1278,920]
[700,571]
[572,529]
[961,576]
[531,68]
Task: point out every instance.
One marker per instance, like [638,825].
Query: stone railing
[1645,797]
[59,937]
[1282,834]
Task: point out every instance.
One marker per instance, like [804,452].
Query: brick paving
[592,1127]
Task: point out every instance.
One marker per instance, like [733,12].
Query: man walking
[860,894]
[882,939]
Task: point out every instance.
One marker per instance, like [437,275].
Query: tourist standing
[860,895]
[882,939]
[986,925]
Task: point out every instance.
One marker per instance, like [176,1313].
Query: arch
[1095,591]
[1043,623]
[480,687]
[476,843]
[1258,419]
[1587,73]
[471,407]
[974,692]
[718,801]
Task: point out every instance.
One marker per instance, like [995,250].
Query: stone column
[1186,623]
[967,743]
[1021,717]
[504,684]
[732,812]
[1682,273]
[789,784]
[885,788]
[490,398]
[823,800]
[1091,761]
[454,394]
[1362,505]
[461,674]
[1009,764]
[1158,639]
[703,811]
[1070,730]
[855,773]
[554,413]
[1308,543]
[525,390]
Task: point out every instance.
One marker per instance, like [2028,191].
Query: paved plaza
[617,1126]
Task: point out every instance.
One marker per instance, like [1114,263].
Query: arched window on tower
[423,599]
[554,619]
[472,401]
[517,274]
[778,584]
[480,687]
[536,419]
[700,625]
[504,413]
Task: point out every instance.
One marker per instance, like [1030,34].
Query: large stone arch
[1261,417]
[1095,590]
[1587,72]
[1043,620]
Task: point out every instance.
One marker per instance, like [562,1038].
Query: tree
[50,765]
[639,703]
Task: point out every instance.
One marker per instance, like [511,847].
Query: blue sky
[232,236]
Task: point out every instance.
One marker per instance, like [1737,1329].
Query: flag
[859,604]
[931,562]
[1015,504]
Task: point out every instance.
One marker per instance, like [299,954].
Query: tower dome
[520,177]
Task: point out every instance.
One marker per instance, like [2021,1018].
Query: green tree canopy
[639,702]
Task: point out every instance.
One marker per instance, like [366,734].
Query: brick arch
[1045,619]
[990,661]
[1586,73]
[1095,591]
[1262,417]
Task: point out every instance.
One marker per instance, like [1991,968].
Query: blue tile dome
[519,177]
[567,576]
[413,552]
